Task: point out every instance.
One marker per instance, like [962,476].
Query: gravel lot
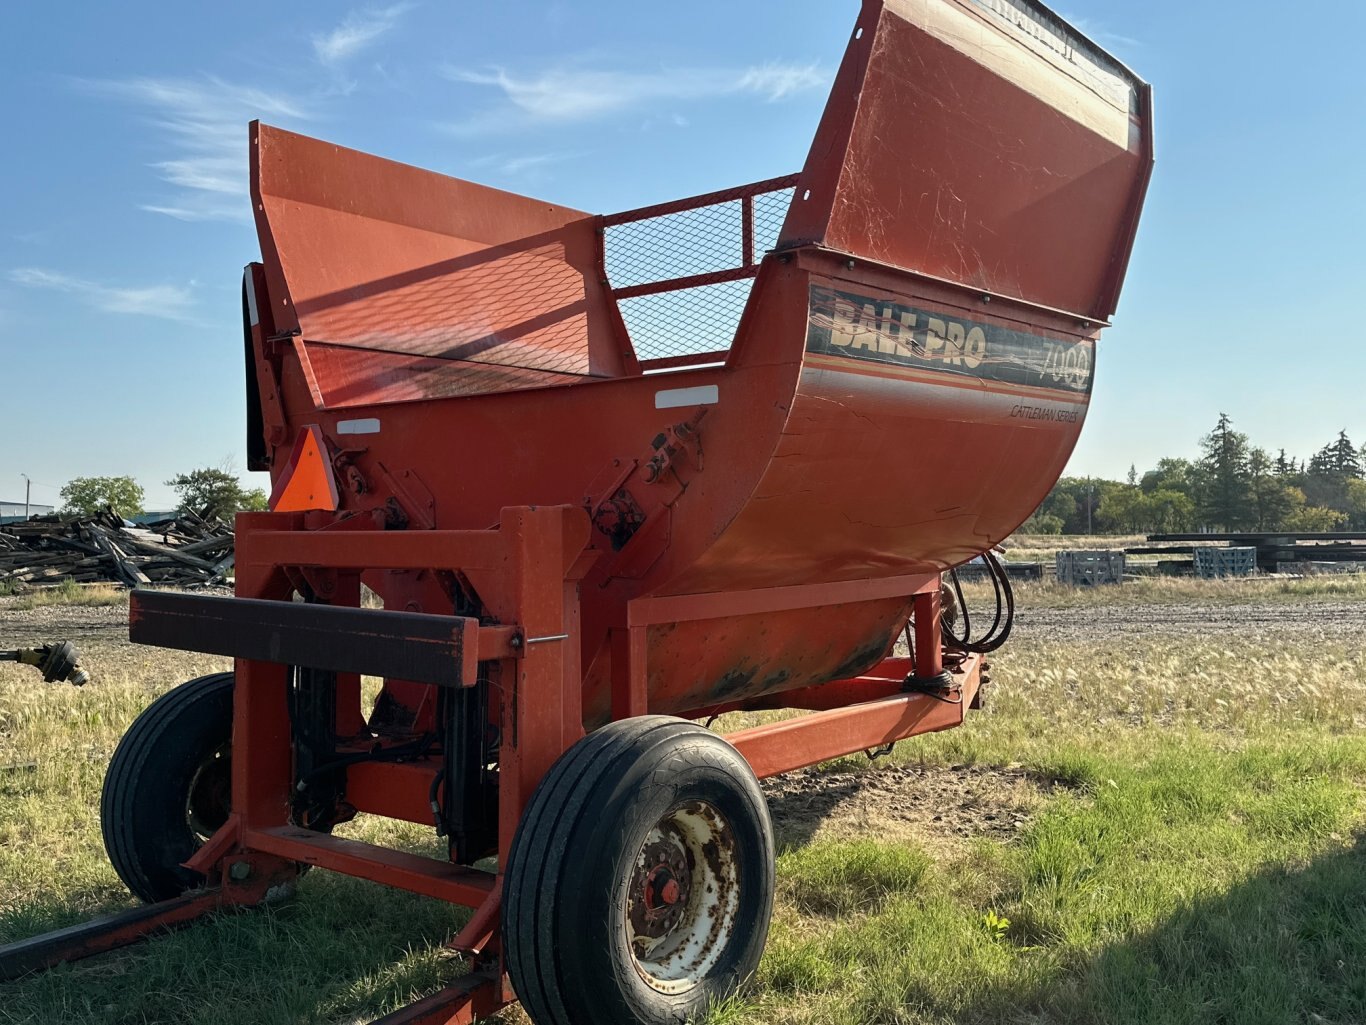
[1299,621]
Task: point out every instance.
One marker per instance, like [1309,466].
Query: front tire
[168,787]
[640,882]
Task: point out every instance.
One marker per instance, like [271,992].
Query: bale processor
[612,476]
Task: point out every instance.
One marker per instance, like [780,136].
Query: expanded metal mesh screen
[770,210]
[686,322]
[682,278]
[679,245]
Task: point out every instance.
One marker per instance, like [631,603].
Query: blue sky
[124,221]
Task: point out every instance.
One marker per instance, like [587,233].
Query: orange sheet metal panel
[983,142]
[389,259]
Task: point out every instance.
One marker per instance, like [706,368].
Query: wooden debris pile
[184,551]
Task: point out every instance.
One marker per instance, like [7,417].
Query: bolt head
[239,870]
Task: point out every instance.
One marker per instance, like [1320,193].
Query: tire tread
[129,765]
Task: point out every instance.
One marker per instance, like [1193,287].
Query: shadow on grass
[340,950]
[798,813]
[20,921]
[1287,945]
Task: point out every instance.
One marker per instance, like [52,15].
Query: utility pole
[28,490]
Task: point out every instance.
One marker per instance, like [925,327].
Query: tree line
[210,491]
[1232,486]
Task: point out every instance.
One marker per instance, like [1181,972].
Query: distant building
[11,512]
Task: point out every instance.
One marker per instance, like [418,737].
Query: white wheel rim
[689,856]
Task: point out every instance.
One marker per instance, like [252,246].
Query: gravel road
[1344,621]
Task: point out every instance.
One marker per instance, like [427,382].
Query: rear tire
[168,787]
[640,882]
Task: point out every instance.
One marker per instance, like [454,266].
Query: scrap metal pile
[184,551]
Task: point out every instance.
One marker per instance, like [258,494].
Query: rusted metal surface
[409,646]
[683,897]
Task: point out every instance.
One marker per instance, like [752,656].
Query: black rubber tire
[564,906]
[147,786]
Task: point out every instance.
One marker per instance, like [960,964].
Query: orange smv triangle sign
[307,482]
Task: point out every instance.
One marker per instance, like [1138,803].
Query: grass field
[1182,842]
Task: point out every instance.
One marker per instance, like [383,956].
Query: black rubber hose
[1004,619]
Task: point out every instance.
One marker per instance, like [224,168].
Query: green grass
[1198,858]
[1192,885]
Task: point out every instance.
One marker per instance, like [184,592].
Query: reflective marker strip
[704,395]
[252,316]
[368,426]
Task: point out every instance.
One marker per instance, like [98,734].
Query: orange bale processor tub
[612,476]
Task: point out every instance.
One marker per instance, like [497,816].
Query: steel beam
[403,645]
[795,743]
[463,1002]
[412,872]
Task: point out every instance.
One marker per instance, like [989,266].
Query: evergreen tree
[1224,500]
[1272,499]
[1325,480]
[1321,463]
[1346,460]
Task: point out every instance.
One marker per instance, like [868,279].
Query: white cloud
[356,32]
[518,165]
[203,126]
[776,81]
[579,94]
[1095,30]
[169,302]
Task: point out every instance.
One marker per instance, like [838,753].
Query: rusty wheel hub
[661,888]
[682,897]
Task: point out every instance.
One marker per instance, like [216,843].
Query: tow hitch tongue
[59,663]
